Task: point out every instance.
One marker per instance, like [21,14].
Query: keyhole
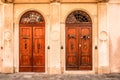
[38,47]
[25,46]
[72,46]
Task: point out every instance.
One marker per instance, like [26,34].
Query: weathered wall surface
[103,40]
[32,1]
[78,0]
[114,1]
[6,38]
[1,38]
[46,1]
[105,31]
[114,30]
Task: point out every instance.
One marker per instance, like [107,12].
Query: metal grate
[31,17]
[78,17]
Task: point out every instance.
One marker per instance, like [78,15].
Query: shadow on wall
[115,56]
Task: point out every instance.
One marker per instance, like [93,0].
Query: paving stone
[38,76]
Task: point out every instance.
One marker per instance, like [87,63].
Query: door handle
[38,46]
[25,46]
[72,46]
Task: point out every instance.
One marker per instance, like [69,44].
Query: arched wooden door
[78,41]
[32,42]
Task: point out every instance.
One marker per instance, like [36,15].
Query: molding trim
[7,1]
[54,1]
[103,0]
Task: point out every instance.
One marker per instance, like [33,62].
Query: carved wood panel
[39,49]
[25,49]
[78,47]
[72,58]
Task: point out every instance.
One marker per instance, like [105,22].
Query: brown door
[25,49]
[38,49]
[32,49]
[78,47]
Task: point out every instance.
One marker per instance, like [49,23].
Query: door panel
[39,49]
[72,51]
[78,47]
[32,49]
[86,46]
[25,49]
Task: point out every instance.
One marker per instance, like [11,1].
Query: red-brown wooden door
[38,49]
[25,49]
[78,47]
[32,49]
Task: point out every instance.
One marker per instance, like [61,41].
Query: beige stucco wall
[6,38]
[1,39]
[78,0]
[32,1]
[105,34]
[103,40]
[114,1]
[47,1]
[55,14]
[114,29]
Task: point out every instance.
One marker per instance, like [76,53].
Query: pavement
[38,76]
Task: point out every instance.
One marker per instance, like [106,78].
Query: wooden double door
[78,47]
[32,49]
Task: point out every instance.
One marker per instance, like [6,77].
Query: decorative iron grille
[31,17]
[78,17]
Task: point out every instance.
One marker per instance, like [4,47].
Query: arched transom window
[31,17]
[78,17]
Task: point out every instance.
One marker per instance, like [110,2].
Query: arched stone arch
[78,9]
[32,42]
[32,17]
[78,41]
[25,11]
[78,16]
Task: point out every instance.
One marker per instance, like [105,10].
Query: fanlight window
[78,17]
[31,17]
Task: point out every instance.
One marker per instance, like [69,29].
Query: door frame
[31,19]
[94,44]
[16,39]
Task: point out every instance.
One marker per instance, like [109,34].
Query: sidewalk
[38,76]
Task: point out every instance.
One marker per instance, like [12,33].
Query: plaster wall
[6,38]
[1,38]
[103,40]
[47,1]
[78,0]
[31,1]
[105,30]
[114,29]
[114,1]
